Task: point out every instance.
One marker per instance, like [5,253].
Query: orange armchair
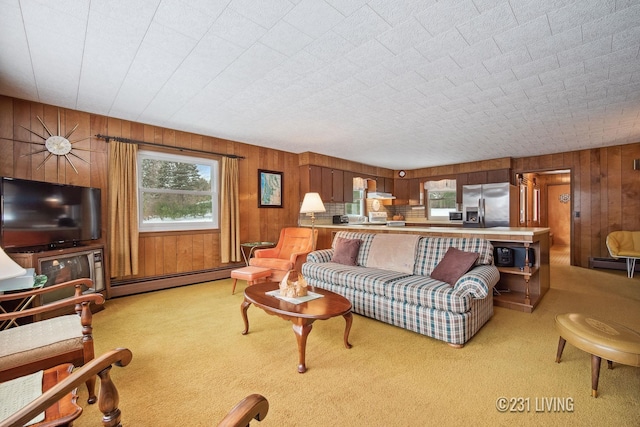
[289,254]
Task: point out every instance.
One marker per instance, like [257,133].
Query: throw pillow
[346,251]
[454,265]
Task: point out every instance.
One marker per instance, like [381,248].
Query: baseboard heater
[121,288]
[610,263]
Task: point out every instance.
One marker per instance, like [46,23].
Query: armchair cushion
[52,341]
[272,263]
[37,341]
[624,244]
[291,251]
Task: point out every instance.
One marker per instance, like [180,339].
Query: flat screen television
[43,214]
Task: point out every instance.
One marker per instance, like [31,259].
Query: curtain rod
[153,144]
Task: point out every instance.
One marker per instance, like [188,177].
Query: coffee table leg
[243,309]
[348,319]
[561,343]
[302,332]
[595,374]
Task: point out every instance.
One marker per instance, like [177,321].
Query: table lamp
[311,204]
[9,268]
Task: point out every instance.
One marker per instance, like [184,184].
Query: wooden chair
[290,253]
[40,345]
[254,406]
[108,396]
[625,244]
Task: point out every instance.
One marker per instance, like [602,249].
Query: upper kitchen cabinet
[499,175]
[479,177]
[385,185]
[416,191]
[347,185]
[489,177]
[401,191]
[407,191]
[337,185]
[310,180]
[326,188]
[461,181]
[328,182]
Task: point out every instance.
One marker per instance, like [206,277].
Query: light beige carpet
[191,364]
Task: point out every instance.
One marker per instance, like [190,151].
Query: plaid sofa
[413,301]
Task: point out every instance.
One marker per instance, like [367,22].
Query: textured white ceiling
[401,84]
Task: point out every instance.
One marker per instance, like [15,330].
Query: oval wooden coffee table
[302,315]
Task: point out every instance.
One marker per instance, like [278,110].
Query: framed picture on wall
[269,189]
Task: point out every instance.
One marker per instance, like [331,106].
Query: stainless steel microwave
[455,216]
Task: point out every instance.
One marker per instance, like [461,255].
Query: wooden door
[559,213]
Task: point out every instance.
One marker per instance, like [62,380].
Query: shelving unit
[522,288]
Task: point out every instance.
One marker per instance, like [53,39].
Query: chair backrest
[623,241]
[293,240]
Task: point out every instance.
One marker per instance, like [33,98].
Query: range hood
[379,195]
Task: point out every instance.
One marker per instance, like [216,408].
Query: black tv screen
[36,213]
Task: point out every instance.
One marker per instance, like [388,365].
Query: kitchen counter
[493,233]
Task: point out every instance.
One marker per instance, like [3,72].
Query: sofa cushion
[395,252]
[346,251]
[368,279]
[366,238]
[431,250]
[428,292]
[454,264]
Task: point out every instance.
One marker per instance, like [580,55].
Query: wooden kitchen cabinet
[461,181]
[401,191]
[328,182]
[407,191]
[479,177]
[499,175]
[337,181]
[387,185]
[347,186]
[310,180]
[415,192]
[489,177]
[326,188]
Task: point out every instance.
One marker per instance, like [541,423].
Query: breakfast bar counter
[520,287]
[499,233]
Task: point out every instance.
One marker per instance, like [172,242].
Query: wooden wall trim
[133,287]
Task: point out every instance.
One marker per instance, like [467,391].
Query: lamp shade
[312,203]
[9,268]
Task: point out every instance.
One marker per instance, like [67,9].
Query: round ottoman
[601,339]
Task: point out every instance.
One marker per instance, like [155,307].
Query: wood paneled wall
[452,170]
[161,254]
[605,194]
[605,188]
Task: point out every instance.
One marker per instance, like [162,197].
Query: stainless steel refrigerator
[490,205]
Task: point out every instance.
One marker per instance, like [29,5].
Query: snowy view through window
[177,192]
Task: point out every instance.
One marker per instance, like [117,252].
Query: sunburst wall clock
[56,145]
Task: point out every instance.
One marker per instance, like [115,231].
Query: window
[356,208]
[176,192]
[441,198]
